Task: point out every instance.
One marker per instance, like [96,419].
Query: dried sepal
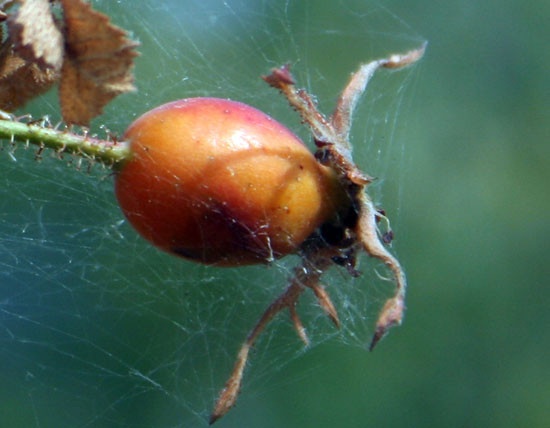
[357,232]
[98,62]
[35,35]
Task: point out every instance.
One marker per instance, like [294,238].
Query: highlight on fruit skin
[219,182]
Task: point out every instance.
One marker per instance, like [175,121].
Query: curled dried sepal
[369,237]
[305,276]
[229,394]
[403,60]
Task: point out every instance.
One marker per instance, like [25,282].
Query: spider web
[97,328]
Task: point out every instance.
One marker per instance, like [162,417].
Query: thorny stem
[106,152]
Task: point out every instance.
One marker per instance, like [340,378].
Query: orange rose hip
[219,182]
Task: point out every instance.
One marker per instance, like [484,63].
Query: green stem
[106,152]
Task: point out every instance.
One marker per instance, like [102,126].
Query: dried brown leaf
[98,62]
[21,80]
[35,35]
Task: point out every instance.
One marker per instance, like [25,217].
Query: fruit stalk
[63,141]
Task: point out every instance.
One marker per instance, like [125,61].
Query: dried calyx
[358,232]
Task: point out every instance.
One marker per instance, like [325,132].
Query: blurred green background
[99,330]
